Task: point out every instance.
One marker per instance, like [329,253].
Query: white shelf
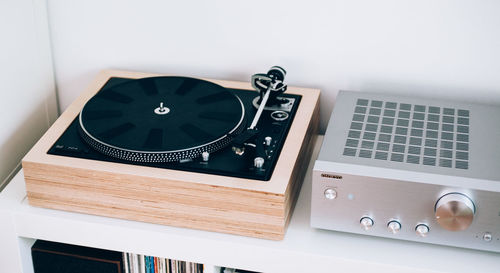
[304,249]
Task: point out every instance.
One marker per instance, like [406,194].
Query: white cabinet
[304,249]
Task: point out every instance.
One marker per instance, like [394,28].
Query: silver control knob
[330,194]
[366,223]
[422,230]
[394,226]
[258,162]
[268,140]
[454,211]
[205,156]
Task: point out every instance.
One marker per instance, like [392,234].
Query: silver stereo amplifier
[411,169]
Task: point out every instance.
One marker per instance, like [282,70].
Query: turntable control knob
[205,156]
[454,211]
[268,140]
[394,226]
[258,162]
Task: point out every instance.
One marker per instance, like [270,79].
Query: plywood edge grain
[143,191]
[82,176]
[298,174]
[255,214]
[211,224]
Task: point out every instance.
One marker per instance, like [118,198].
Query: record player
[206,154]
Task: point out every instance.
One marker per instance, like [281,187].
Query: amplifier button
[366,223]
[330,194]
[394,226]
[487,237]
[422,230]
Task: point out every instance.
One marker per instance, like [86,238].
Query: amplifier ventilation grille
[414,134]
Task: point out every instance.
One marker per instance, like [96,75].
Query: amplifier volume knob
[394,226]
[454,211]
[366,223]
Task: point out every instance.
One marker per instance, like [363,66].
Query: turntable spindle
[162,110]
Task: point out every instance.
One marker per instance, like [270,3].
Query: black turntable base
[178,123]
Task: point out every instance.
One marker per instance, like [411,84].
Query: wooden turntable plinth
[170,197]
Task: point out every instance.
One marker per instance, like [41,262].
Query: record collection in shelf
[52,257]
[136,263]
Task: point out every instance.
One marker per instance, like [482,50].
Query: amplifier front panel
[340,201]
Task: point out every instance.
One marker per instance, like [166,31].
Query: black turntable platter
[161,119]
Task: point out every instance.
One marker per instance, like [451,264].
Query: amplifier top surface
[414,134]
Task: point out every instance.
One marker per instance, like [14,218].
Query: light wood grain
[185,199]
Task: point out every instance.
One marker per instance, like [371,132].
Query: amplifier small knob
[394,226]
[454,211]
[366,223]
[422,230]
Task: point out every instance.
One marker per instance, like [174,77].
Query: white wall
[443,48]
[27,93]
